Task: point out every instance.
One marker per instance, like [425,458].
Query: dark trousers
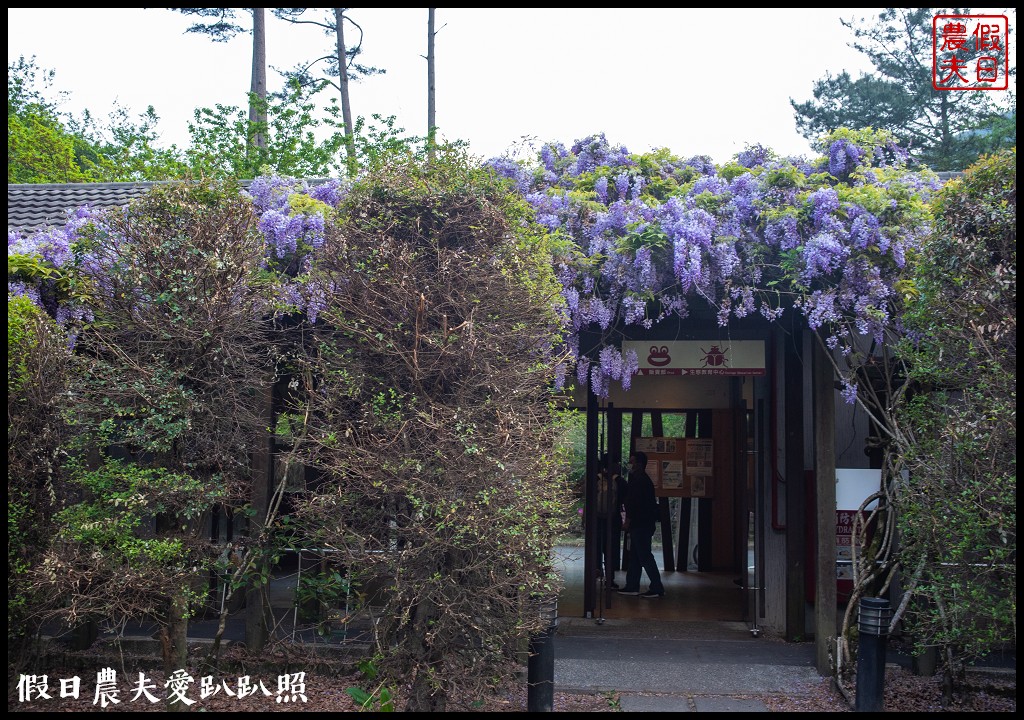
[641,559]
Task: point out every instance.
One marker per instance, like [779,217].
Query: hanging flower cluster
[652,233]
[37,265]
[293,217]
[649,234]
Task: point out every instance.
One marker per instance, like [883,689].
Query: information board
[679,467]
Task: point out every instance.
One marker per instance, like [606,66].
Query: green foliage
[302,140]
[122,497]
[40,148]
[124,149]
[958,508]
[437,345]
[162,408]
[379,699]
[320,591]
[37,379]
[298,143]
[45,145]
[613,700]
[379,143]
[944,130]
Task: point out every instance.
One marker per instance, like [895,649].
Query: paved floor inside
[689,596]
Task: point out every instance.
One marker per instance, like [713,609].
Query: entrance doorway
[703,543]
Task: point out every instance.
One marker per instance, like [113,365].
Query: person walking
[642,515]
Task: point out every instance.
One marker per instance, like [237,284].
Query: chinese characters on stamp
[969,52]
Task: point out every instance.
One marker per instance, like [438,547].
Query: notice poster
[658,446]
[699,454]
[664,463]
[671,474]
[654,472]
[698,486]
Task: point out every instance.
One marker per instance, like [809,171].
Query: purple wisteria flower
[754,155]
[702,164]
[611,362]
[506,167]
[787,222]
[53,244]
[849,391]
[17,288]
[550,154]
[822,255]
[270,192]
[622,185]
[692,232]
[630,366]
[784,233]
[331,192]
[290,233]
[824,202]
[843,157]
[582,369]
[864,231]
[709,183]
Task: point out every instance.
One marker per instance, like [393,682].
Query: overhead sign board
[694,357]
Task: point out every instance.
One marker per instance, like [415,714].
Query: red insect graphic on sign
[713,357]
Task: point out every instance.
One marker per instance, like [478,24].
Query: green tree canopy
[46,145]
[40,148]
[957,511]
[946,130]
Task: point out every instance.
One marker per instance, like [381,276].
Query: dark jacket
[642,510]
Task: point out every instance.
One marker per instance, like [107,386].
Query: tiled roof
[33,207]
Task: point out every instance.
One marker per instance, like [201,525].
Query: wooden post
[668,556]
[825,475]
[705,516]
[740,515]
[590,509]
[614,424]
[793,384]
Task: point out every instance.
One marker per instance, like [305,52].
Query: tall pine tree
[943,129]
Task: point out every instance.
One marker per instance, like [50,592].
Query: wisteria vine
[650,235]
[654,233]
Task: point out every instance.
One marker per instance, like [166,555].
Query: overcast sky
[696,81]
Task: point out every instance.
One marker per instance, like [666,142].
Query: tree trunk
[431,115]
[346,105]
[174,645]
[258,87]
[424,696]
[256,620]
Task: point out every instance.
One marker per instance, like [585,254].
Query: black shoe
[629,592]
[651,594]
[614,586]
